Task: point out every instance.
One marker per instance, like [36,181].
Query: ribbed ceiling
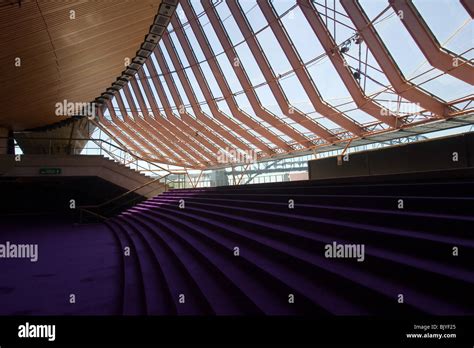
[64,58]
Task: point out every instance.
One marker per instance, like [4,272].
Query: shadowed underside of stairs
[184,242]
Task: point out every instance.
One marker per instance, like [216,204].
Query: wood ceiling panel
[30,65]
[109,17]
[44,95]
[103,33]
[19,32]
[18,48]
[10,15]
[101,44]
[49,77]
[73,59]
[64,58]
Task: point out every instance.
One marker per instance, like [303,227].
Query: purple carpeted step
[287,268]
[174,272]
[451,205]
[198,284]
[436,244]
[437,267]
[266,297]
[455,189]
[121,242]
[420,300]
[134,301]
[257,200]
[389,218]
[219,294]
[215,294]
[158,298]
[427,236]
[397,241]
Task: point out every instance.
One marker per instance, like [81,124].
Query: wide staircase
[261,249]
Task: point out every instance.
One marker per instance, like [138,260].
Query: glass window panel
[283,6]
[163,82]
[107,114]
[229,74]
[118,111]
[125,102]
[250,64]
[253,13]
[444,86]
[194,85]
[324,122]
[194,43]
[144,96]
[153,89]
[361,116]
[267,99]
[274,53]
[302,35]
[179,86]
[179,50]
[445,18]
[209,76]
[211,36]
[134,98]
[230,24]
[245,106]
[293,90]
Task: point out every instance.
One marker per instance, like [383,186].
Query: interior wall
[438,154]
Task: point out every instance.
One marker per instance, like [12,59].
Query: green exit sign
[50,171]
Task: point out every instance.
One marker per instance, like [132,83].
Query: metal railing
[89,208]
[59,145]
[102,148]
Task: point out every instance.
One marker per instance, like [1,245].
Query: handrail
[108,152]
[105,130]
[86,208]
[93,139]
[120,156]
[123,194]
[126,203]
[92,213]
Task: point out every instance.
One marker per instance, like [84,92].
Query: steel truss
[158,114]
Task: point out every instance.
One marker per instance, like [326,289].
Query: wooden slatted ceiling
[63,58]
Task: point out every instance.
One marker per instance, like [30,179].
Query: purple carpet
[289,249]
